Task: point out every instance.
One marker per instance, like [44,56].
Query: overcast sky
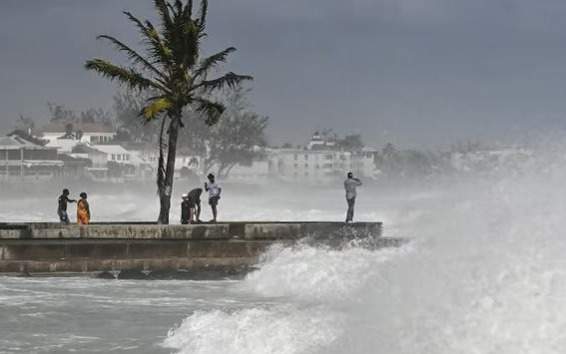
[415,72]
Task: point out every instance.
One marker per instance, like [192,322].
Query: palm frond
[133,55]
[203,13]
[162,7]
[229,80]
[156,107]
[178,7]
[157,49]
[209,63]
[211,110]
[129,77]
[139,24]
[187,42]
[188,12]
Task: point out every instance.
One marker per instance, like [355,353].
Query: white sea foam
[277,330]
[312,274]
[486,274]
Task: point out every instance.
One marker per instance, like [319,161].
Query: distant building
[124,163]
[322,161]
[319,166]
[21,159]
[75,166]
[98,170]
[63,146]
[92,133]
[320,141]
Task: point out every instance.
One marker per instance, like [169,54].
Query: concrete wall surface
[145,250]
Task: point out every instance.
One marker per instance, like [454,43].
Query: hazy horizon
[413,73]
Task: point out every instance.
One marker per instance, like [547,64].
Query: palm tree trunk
[167,188]
[161,163]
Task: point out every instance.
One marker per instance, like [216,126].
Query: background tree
[69,131]
[238,138]
[127,107]
[25,124]
[96,115]
[233,140]
[173,69]
[24,128]
[61,114]
[351,143]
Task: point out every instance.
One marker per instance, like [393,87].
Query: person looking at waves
[350,185]
[214,191]
[83,210]
[62,207]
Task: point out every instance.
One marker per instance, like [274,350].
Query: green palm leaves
[171,68]
[170,62]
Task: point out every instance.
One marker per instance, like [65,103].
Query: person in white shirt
[350,185]
[214,191]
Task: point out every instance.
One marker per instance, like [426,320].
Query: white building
[63,146]
[118,154]
[91,133]
[113,162]
[324,166]
[320,162]
[322,142]
[150,154]
[21,159]
[98,158]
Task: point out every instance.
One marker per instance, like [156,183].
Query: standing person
[214,191]
[350,185]
[83,210]
[194,205]
[62,208]
[185,210]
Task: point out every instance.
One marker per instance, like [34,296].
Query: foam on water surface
[485,273]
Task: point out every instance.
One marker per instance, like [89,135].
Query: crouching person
[194,205]
[185,210]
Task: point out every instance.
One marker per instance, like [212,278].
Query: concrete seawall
[159,251]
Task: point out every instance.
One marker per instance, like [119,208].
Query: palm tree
[171,67]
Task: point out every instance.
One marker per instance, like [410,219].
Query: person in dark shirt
[350,185]
[185,210]
[62,208]
[194,205]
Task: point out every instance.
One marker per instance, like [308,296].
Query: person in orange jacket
[83,210]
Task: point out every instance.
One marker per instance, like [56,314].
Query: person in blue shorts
[214,191]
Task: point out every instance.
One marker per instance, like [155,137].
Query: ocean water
[485,272]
